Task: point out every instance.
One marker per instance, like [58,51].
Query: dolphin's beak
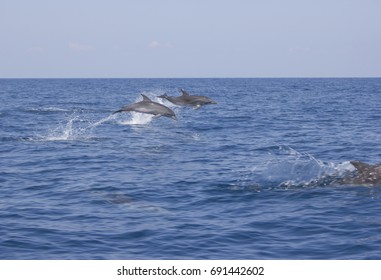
[174,118]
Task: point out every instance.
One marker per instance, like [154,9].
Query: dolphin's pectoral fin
[157,116]
[197,107]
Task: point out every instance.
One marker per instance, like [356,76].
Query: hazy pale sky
[190,38]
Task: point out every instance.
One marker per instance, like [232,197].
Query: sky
[183,38]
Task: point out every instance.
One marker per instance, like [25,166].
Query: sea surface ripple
[248,178]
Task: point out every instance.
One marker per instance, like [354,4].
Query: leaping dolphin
[147,106]
[366,174]
[186,99]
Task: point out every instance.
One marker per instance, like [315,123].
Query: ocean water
[252,177]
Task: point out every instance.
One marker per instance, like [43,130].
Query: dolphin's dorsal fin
[184,92]
[145,98]
[360,166]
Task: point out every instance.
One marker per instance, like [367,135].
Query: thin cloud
[35,50]
[158,45]
[298,49]
[80,47]
[154,44]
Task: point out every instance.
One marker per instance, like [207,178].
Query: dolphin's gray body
[186,99]
[365,174]
[147,106]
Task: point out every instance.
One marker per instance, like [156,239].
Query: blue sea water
[247,178]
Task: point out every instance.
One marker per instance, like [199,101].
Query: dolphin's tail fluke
[124,109]
[121,110]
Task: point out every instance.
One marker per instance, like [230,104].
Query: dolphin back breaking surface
[365,174]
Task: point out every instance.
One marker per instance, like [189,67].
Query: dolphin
[196,101]
[147,106]
[365,174]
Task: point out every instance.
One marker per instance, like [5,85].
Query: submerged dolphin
[186,99]
[365,174]
[147,106]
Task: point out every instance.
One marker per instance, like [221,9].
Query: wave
[122,200]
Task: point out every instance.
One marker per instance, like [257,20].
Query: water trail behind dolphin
[63,132]
[73,129]
[106,119]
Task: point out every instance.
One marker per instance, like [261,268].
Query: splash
[304,170]
[137,119]
[288,168]
[73,129]
[65,132]
[292,165]
[106,119]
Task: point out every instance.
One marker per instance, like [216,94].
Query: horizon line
[269,77]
